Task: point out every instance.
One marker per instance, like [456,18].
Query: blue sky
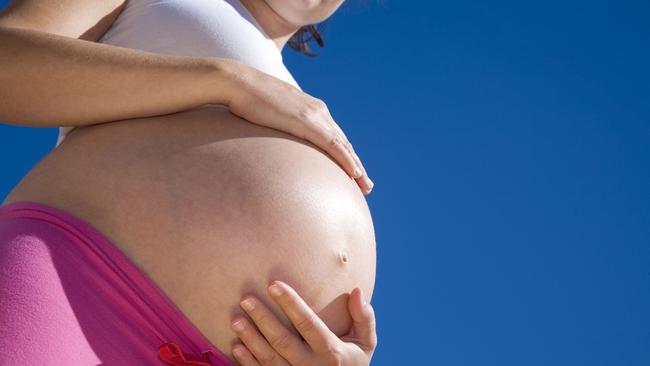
[510,147]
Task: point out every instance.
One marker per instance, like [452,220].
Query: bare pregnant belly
[213,207]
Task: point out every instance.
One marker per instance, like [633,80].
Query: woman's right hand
[268,342]
[268,101]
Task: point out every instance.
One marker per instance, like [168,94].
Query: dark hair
[300,40]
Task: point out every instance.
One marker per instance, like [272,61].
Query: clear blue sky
[510,147]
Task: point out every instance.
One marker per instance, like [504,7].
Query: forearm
[51,80]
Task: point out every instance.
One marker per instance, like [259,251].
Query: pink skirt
[68,296]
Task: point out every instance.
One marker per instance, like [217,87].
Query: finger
[327,138]
[364,332]
[287,344]
[303,318]
[364,180]
[338,148]
[256,343]
[365,183]
[348,146]
[243,356]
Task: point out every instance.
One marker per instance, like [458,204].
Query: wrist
[225,79]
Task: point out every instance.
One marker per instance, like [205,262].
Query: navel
[344,257]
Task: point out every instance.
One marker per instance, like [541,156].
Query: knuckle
[307,324]
[258,318]
[344,140]
[374,342]
[308,114]
[313,111]
[347,143]
[335,141]
[371,317]
[320,104]
[269,360]
[282,341]
[371,311]
[334,356]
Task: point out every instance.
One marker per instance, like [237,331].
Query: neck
[278,28]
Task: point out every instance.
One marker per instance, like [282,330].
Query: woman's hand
[277,346]
[268,101]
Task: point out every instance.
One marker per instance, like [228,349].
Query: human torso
[209,205]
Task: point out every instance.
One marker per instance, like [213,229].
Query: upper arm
[83,19]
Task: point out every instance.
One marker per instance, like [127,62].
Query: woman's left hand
[270,343]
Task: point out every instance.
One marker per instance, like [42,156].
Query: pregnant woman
[190,173]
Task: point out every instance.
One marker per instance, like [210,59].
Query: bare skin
[208,204]
[281,19]
[268,342]
[60,80]
[214,210]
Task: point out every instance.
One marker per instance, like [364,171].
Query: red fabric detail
[172,354]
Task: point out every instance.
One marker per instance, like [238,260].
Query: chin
[304,12]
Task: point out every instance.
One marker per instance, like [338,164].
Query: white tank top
[212,28]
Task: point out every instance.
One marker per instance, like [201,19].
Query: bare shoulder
[83,19]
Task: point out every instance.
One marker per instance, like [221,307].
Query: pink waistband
[124,308]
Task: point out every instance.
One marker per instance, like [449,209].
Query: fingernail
[275,290]
[371,183]
[357,172]
[238,325]
[247,304]
[363,298]
[237,352]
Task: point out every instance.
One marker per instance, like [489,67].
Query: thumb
[363,329]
